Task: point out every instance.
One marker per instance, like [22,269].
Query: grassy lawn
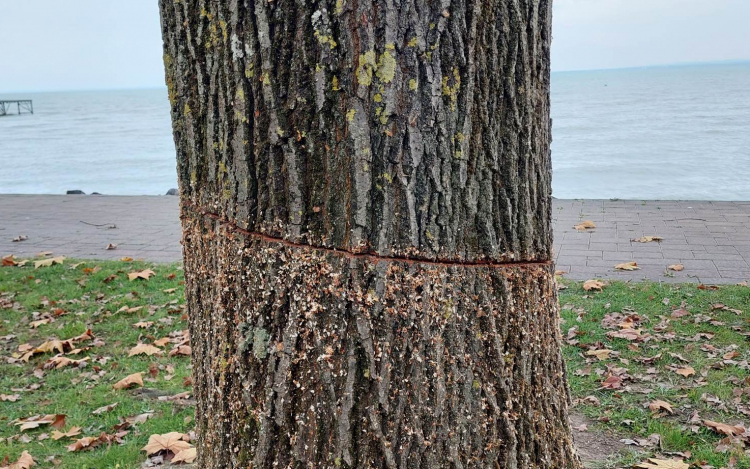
[627,346]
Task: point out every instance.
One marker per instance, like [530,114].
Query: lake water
[678,132]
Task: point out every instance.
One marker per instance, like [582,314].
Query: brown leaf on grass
[173,441]
[161,342]
[105,408]
[601,354]
[53,420]
[187,456]
[659,405]
[126,259]
[595,285]
[36,324]
[136,379]
[61,362]
[685,371]
[49,262]
[9,397]
[90,442]
[10,261]
[56,435]
[181,350]
[142,274]
[25,461]
[585,225]
[676,267]
[627,266]
[144,349]
[143,324]
[654,463]
[612,382]
[648,239]
[110,278]
[707,287]
[724,429]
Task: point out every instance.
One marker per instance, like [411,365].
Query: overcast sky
[93,44]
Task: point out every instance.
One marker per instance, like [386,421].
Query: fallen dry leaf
[20,238]
[602,354]
[25,461]
[724,429]
[111,247]
[181,350]
[9,397]
[144,349]
[105,408]
[685,371]
[142,274]
[49,262]
[653,463]
[56,435]
[54,420]
[172,441]
[596,285]
[659,405]
[585,225]
[676,267]
[627,266]
[136,379]
[186,456]
[648,239]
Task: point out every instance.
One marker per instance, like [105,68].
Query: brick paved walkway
[711,239]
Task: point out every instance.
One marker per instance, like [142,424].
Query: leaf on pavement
[585,225]
[627,266]
[648,239]
[676,267]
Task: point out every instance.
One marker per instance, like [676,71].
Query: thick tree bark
[365,191]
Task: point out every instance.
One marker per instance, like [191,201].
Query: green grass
[88,302]
[624,411]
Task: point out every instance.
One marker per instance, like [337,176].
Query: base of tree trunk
[310,358]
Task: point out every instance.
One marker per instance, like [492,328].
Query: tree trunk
[365,193]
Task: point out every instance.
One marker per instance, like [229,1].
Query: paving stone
[711,239]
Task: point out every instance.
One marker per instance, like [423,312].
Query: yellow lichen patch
[187,109]
[452,90]
[335,83]
[365,68]
[378,98]
[413,42]
[223,26]
[386,67]
[249,72]
[350,114]
[325,39]
[412,84]
[339,7]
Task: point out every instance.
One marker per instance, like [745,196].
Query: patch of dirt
[595,446]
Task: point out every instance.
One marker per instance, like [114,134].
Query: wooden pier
[21,106]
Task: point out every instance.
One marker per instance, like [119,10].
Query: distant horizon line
[632,67]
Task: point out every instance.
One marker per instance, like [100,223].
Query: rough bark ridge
[365,191]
